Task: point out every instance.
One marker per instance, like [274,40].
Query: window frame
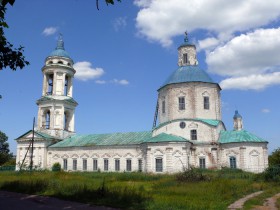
[185,58]
[232,162]
[84,164]
[202,163]
[206,102]
[159,164]
[163,107]
[193,134]
[140,165]
[182,103]
[128,165]
[94,164]
[106,165]
[117,164]
[65,164]
[75,164]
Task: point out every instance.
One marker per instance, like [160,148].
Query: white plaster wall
[205,132]
[246,154]
[193,93]
[39,153]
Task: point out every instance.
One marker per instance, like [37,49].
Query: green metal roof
[129,138]
[61,98]
[190,73]
[238,136]
[163,137]
[59,50]
[38,134]
[210,122]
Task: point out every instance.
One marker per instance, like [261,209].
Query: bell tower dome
[56,107]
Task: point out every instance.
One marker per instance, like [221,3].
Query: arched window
[60,62]
[185,58]
[66,85]
[50,84]
[232,162]
[66,123]
[50,62]
[47,120]
[206,103]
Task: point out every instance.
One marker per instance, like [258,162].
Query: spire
[60,43]
[186,39]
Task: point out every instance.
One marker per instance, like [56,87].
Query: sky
[124,53]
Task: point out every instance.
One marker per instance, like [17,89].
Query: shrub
[56,167]
[192,175]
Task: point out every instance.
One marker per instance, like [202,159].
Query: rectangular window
[193,135]
[84,164]
[128,165]
[181,103]
[202,163]
[117,165]
[106,164]
[95,165]
[206,102]
[232,162]
[74,164]
[163,107]
[140,165]
[159,167]
[185,58]
[65,164]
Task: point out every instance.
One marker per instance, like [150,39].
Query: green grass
[138,190]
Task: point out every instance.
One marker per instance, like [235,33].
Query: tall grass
[136,190]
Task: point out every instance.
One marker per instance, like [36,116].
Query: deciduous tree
[4,149]
[9,56]
[274,158]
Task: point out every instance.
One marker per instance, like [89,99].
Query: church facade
[189,133]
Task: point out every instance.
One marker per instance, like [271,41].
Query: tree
[107,2]
[5,154]
[9,56]
[274,158]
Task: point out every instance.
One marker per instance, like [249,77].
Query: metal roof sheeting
[190,73]
[238,136]
[116,139]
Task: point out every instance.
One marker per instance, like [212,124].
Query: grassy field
[202,190]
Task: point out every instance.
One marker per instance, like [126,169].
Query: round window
[182,125]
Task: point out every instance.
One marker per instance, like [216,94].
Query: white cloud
[208,43]
[252,53]
[49,31]
[251,82]
[84,71]
[265,110]
[120,82]
[119,23]
[161,20]
[101,82]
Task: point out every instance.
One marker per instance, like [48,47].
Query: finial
[60,43]
[186,37]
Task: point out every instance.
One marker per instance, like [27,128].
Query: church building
[188,129]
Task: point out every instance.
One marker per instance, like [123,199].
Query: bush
[56,167]
[272,173]
[192,175]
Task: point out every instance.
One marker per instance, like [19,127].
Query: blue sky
[123,54]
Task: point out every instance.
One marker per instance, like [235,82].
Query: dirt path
[239,203]
[15,201]
[269,204]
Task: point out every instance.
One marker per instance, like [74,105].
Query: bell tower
[56,107]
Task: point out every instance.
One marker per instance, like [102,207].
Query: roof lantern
[236,115]
[60,50]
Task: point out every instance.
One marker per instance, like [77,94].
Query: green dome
[59,50]
[188,74]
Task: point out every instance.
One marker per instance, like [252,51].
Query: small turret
[237,121]
[187,53]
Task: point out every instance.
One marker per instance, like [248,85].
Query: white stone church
[188,128]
